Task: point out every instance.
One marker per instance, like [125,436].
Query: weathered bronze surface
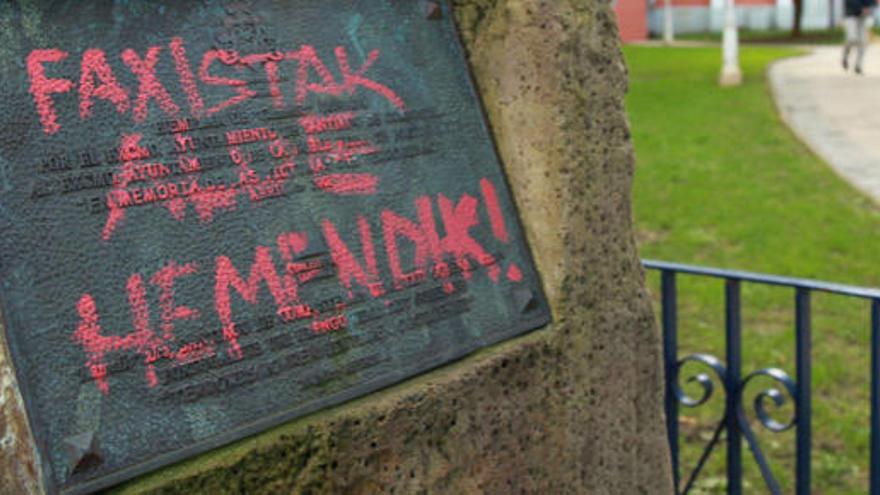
[217,217]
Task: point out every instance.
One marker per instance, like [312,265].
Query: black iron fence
[730,375]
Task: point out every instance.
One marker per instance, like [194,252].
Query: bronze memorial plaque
[219,216]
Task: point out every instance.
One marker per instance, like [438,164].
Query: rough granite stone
[19,465]
[572,408]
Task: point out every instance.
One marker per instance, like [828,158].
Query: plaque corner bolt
[524,299]
[433,10]
[81,452]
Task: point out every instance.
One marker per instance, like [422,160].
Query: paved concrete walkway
[836,113]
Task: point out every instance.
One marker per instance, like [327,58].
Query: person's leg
[849,29]
[864,23]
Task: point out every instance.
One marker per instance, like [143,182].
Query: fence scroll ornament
[772,396]
[764,410]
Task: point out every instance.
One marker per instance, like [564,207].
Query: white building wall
[784,14]
[817,14]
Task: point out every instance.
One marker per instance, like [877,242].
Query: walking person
[856,24]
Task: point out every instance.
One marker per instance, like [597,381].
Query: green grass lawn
[721,181]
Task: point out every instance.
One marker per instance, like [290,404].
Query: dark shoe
[859,71]
[845,64]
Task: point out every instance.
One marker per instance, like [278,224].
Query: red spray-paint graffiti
[322,152]
[437,241]
[130,189]
[150,87]
[214,64]
[142,340]
[94,65]
[356,270]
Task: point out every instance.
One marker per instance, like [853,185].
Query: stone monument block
[262,247]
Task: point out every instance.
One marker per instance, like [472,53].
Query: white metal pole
[668,28]
[730,72]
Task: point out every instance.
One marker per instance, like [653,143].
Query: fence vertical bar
[875,396]
[669,293]
[733,337]
[803,360]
